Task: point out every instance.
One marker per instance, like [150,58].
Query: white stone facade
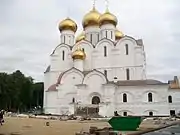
[114,71]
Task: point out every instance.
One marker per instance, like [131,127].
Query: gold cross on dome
[94,3]
[107,4]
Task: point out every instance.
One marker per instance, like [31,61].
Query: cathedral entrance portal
[91,109]
[95,100]
[95,103]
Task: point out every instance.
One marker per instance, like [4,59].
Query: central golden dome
[80,37]
[68,24]
[118,34]
[79,54]
[91,18]
[107,18]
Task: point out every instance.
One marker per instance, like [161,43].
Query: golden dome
[118,34]
[68,24]
[78,54]
[80,37]
[107,18]
[91,18]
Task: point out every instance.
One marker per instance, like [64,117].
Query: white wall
[175,105]
[88,48]
[57,61]
[138,104]
[95,32]
[51,103]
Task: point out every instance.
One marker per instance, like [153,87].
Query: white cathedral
[104,71]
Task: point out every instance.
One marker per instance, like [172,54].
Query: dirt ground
[29,126]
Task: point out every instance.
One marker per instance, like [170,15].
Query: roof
[48,69]
[52,88]
[138,82]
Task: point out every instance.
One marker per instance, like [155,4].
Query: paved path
[174,130]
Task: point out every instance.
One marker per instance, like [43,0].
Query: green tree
[18,92]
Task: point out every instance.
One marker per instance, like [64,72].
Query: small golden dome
[91,18]
[68,24]
[78,54]
[118,34]
[107,18]
[80,37]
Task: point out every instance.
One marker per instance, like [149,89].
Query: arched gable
[126,92]
[83,43]
[128,112]
[103,41]
[149,91]
[150,110]
[76,72]
[126,38]
[95,75]
[60,46]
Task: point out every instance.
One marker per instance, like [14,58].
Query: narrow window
[64,39]
[63,55]
[105,73]
[127,51]
[106,34]
[125,113]
[73,100]
[105,51]
[83,49]
[69,39]
[91,38]
[149,97]
[127,74]
[150,113]
[170,99]
[111,34]
[97,37]
[124,97]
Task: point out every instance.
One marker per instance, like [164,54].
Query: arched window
[124,97]
[170,99]
[95,100]
[111,34]
[150,113]
[83,49]
[127,49]
[63,55]
[105,51]
[149,97]
[105,73]
[127,74]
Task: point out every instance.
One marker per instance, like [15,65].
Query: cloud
[29,32]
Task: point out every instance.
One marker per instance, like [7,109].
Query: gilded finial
[107,5]
[94,4]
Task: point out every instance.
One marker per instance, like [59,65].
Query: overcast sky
[29,32]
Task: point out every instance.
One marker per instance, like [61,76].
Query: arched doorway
[95,100]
